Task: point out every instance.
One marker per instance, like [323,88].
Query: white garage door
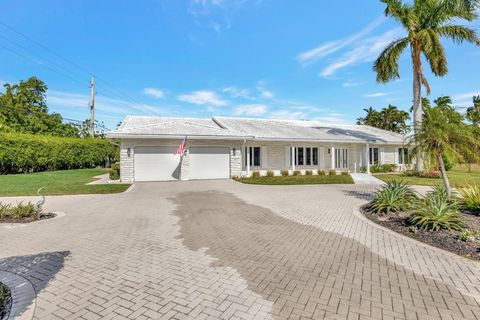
[156,164]
[209,163]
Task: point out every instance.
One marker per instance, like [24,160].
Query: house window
[402,155]
[305,156]
[255,156]
[341,158]
[373,156]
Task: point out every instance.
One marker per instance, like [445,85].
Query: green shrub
[413,229]
[439,192]
[297,173]
[363,169]
[270,173]
[383,168]
[284,173]
[23,153]
[448,163]
[332,172]
[308,172]
[114,172]
[395,196]
[256,174]
[434,213]
[321,172]
[466,235]
[345,173]
[19,211]
[423,174]
[471,197]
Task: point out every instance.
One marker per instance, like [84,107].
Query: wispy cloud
[236,92]
[251,110]
[315,54]
[203,97]
[464,99]
[108,105]
[154,92]
[348,84]
[376,95]
[217,14]
[288,114]
[365,51]
[263,91]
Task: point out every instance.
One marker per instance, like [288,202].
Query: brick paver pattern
[223,250]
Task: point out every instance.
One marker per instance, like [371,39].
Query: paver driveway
[219,249]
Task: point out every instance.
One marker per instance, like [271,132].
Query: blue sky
[197,58]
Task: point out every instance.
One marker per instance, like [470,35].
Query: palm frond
[458,34]
[433,50]
[386,65]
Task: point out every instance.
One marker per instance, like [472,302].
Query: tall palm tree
[444,134]
[426,21]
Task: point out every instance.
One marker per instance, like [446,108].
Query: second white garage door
[209,163]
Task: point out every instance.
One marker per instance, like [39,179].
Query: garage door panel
[156,164]
[209,162]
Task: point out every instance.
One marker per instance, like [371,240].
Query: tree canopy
[23,109]
[389,118]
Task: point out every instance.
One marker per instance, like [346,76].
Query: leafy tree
[389,118]
[444,134]
[426,22]
[23,109]
[473,113]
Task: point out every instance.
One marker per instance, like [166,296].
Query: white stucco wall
[273,154]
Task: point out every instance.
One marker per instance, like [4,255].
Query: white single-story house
[222,147]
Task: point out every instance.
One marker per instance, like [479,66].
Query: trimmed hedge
[23,153]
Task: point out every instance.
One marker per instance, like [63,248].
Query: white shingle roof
[248,128]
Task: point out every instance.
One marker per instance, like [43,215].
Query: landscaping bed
[443,239]
[22,213]
[5,301]
[292,180]
[438,218]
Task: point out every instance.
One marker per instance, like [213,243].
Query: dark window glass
[300,158]
[256,156]
[315,156]
[309,157]
[373,152]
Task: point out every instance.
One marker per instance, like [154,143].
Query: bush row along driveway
[225,250]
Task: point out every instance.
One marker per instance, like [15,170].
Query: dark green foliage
[396,196]
[4,300]
[389,118]
[23,109]
[23,153]
[383,168]
[448,164]
[114,172]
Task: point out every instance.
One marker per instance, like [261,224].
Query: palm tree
[444,133]
[426,21]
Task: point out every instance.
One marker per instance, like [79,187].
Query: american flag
[181,148]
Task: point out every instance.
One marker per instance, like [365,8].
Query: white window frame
[402,154]
[252,158]
[341,158]
[312,151]
[371,153]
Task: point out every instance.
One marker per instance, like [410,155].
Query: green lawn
[56,183]
[458,177]
[281,180]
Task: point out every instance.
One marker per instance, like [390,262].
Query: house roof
[251,129]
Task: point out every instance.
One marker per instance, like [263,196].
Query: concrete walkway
[225,250]
[365,178]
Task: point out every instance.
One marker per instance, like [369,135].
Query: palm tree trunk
[417,102]
[443,172]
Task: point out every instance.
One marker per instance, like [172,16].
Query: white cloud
[315,54]
[465,99]
[263,91]
[105,104]
[348,84]
[367,50]
[376,95]
[236,92]
[251,110]
[203,97]
[288,114]
[154,92]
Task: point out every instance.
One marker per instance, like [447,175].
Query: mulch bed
[443,239]
[43,216]
[5,301]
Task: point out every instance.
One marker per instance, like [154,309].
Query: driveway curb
[23,296]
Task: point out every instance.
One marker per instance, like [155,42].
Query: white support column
[248,161]
[292,152]
[332,154]
[367,157]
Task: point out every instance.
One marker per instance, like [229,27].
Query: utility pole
[92,107]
